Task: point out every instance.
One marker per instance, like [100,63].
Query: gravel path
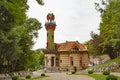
[64,76]
[115,73]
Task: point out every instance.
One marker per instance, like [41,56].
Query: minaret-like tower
[50,26]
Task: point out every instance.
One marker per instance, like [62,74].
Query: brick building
[63,55]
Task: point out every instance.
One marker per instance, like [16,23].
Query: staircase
[62,69]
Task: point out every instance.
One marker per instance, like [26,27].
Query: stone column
[45,61]
[49,62]
[54,61]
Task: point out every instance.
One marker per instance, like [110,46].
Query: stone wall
[115,67]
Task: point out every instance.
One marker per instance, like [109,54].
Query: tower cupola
[50,26]
[50,23]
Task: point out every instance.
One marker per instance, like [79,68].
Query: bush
[28,77]
[15,78]
[90,71]
[73,72]
[42,74]
[111,77]
[106,72]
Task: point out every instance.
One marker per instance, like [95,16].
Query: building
[69,54]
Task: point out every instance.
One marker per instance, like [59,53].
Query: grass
[39,77]
[98,76]
[35,78]
[101,76]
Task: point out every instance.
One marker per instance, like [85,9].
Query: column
[49,62]
[54,61]
[45,61]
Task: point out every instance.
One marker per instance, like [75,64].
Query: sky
[75,20]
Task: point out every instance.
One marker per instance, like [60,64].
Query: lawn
[98,76]
[35,78]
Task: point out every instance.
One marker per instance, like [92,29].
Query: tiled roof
[68,45]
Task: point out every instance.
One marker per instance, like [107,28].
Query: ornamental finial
[50,16]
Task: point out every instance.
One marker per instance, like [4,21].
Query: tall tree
[17,33]
[110,27]
[93,44]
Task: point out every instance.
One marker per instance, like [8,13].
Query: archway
[52,61]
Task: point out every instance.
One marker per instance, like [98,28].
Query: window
[60,61]
[52,36]
[75,48]
[71,61]
[47,44]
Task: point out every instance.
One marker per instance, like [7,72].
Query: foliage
[42,74]
[6,18]
[38,77]
[98,76]
[106,72]
[28,77]
[40,2]
[101,6]
[34,61]
[93,45]
[17,33]
[96,40]
[89,45]
[110,26]
[41,57]
[73,72]
[90,71]
[32,25]
[111,77]
[15,78]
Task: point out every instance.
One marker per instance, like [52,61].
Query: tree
[89,45]
[96,40]
[41,59]
[17,33]
[93,44]
[110,28]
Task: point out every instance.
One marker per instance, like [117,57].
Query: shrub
[28,77]
[42,74]
[111,77]
[73,72]
[15,78]
[106,72]
[90,71]
[22,79]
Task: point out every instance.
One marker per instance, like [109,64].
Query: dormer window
[75,48]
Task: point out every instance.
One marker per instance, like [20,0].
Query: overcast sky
[75,20]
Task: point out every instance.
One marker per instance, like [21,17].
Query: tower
[50,26]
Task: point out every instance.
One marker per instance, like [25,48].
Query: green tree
[96,41]
[93,44]
[17,33]
[110,28]
[42,56]
[89,45]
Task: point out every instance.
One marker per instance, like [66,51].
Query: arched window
[75,48]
